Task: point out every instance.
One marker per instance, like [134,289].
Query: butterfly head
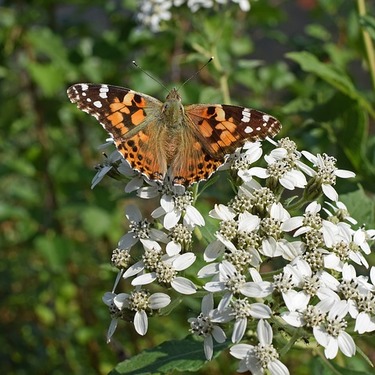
[173,109]
[173,95]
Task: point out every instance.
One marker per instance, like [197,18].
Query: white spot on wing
[246,115]
[97,104]
[248,129]
[84,86]
[103,91]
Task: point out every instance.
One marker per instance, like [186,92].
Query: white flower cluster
[309,241]
[153,12]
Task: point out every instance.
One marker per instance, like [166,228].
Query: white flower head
[284,165]
[174,207]
[257,359]
[133,307]
[326,174]
[332,335]
[204,326]
[164,270]
[140,230]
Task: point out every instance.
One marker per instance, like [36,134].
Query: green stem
[223,76]
[296,336]
[367,42]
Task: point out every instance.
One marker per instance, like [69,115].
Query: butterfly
[187,143]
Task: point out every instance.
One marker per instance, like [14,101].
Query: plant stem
[223,77]
[367,42]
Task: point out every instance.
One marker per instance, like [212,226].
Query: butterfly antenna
[196,73]
[149,75]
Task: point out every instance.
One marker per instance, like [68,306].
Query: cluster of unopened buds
[284,258]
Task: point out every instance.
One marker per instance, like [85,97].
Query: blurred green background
[303,61]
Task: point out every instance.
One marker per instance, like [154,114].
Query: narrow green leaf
[338,79]
[368,23]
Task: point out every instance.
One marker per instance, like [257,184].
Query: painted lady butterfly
[192,141]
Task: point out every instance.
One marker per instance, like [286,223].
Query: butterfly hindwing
[143,153]
[193,163]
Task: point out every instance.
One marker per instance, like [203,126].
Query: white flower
[340,212]
[181,238]
[111,162]
[153,12]
[195,5]
[360,298]
[108,299]
[140,230]
[203,326]
[230,280]
[242,159]
[272,244]
[140,301]
[257,288]
[304,223]
[360,238]
[258,359]
[243,229]
[166,273]
[242,310]
[172,208]
[326,173]
[222,212]
[282,166]
[332,333]
[299,275]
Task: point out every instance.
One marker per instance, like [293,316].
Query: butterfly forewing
[128,117]
[118,109]
[223,128]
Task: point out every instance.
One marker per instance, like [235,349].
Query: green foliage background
[304,62]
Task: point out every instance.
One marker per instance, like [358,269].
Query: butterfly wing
[214,131]
[223,128]
[129,117]
[192,163]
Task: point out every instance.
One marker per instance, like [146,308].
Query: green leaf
[368,23]
[96,221]
[185,355]
[322,366]
[352,138]
[49,77]
[360,206]
[338,79]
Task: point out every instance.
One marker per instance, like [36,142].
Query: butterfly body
[187,142]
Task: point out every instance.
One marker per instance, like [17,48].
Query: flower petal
[159,300]
[141,322]
[183,285]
